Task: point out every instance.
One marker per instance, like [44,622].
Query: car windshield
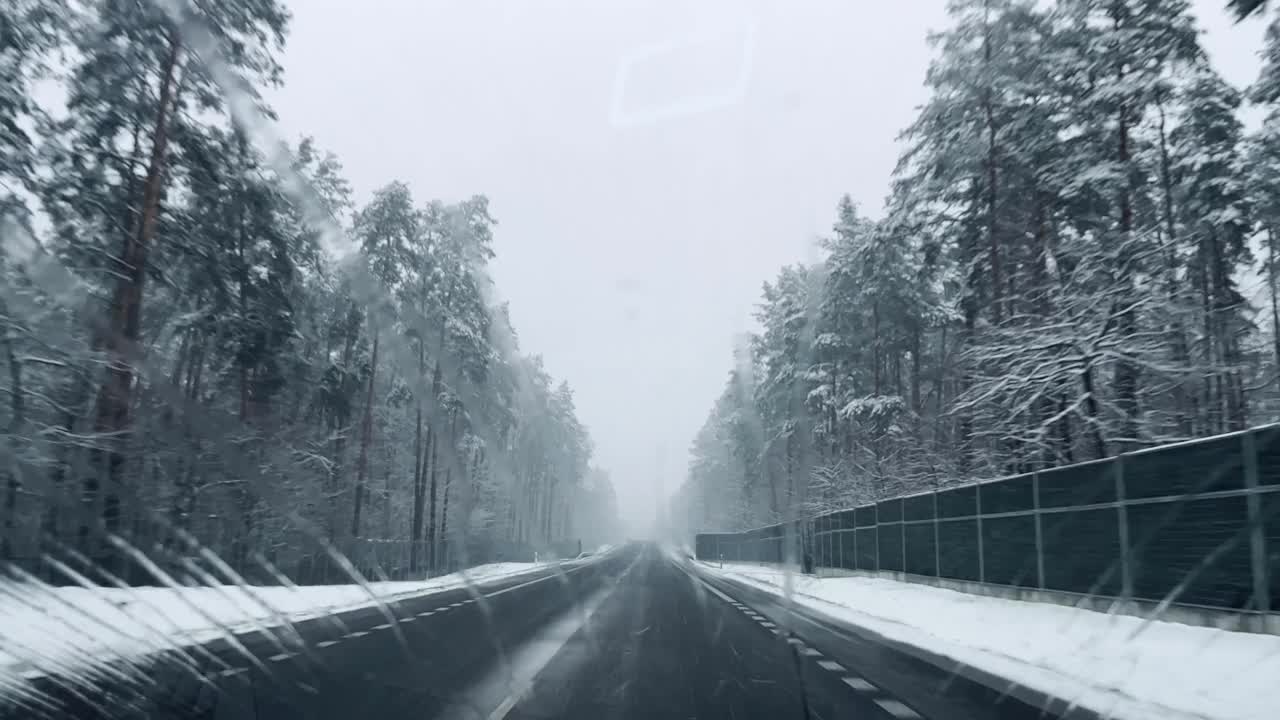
[614,360]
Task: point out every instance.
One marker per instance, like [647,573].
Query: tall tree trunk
[1064,431]
[433,437]
[1184,402]
[548,503]
[1091,410]
[445,545]
[964,442]
[340,424]
[11,470]
[386,498]
[429,521]
[971,247]
[1272,272]
[448,482]
[433,433]
[916,333]
[1223,308]
[875,346]
[366,436]
[992,179]
[124,323]
[1212,399]
[243,361]
[1126,373]
[897,374]
[940,390]
[419,487]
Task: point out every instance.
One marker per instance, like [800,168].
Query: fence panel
[849,549]
[889,538]
[1271,533]
[1203,466]
[868,550]
[1267,442]
[918,507]
[1009,550]
[921,550]
[1084,484]
[958,549]
[1010,495]
[1082,551]
[1173,541]
[958,502]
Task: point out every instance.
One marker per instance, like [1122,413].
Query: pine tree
[1211,194]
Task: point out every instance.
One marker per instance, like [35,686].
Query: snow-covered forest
[193,354]
[1078,257]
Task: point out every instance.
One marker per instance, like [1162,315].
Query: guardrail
[1194,524]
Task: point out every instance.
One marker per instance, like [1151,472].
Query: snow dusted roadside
[1108,663]
[46,628]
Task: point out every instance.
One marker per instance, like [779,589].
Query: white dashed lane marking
[326,643]
[383,626]
[859,684]
[427,613]
[894,707]
[233,671]
[281,656]
[358,633]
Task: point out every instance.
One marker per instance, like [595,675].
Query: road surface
[637,634]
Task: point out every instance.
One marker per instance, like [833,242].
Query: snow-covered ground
[44,628]
[1113,664]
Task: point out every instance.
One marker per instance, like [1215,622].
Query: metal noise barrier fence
[1195,523]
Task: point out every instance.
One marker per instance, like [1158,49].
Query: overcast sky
[650,164]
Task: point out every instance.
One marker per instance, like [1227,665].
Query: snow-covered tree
[1056,274]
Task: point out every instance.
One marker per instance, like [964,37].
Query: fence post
[937,548]
[855,539]
[1035,506]
[1257,533]
[833,560]
[982,555]
[875,530]
[902,532]
[837,545]
[1122,517]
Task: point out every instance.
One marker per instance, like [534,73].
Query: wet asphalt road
[637,634]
